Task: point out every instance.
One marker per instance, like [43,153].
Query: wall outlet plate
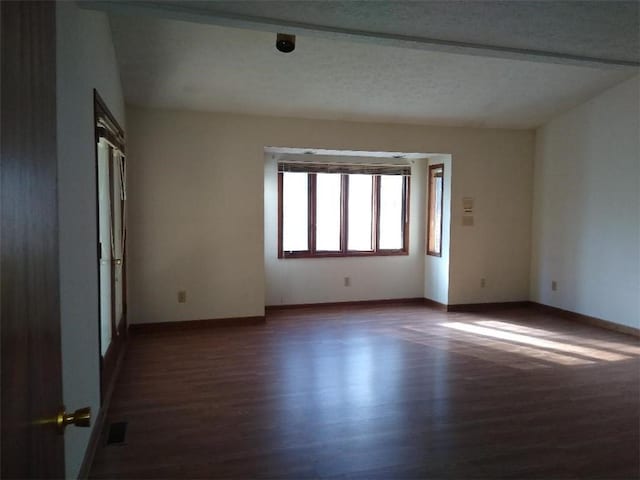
[182,296]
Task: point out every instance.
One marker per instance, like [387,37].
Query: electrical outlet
[554,285]
[483,282]
[182,296]
[347,281]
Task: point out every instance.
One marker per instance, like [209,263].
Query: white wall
[196,199]
[85,60]
[586,222]
[321,280]
[436,269]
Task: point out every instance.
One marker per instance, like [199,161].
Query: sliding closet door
[118,236]
[105,245]
[110,173]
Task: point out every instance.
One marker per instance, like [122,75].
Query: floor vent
[117,432]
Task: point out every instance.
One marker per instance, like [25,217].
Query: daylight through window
[333,210]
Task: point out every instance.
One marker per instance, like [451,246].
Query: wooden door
[31,352]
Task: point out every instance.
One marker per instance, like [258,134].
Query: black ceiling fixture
[286,43]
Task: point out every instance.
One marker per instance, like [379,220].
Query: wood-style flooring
[398,391]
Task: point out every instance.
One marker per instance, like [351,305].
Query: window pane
[434,240]
[328,211]
[295,211]
[437,216]
[360,211]
[391,221]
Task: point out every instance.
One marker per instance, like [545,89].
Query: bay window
[338,210]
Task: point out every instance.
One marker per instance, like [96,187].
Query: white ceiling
[600,29]
[175,64]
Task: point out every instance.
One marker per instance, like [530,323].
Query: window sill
[383,253]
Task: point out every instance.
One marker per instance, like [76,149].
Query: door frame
[109,364]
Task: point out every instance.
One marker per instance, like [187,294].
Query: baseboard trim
[357,303]
[101,417]
[467,307]
[158,327]
[594,321]
[486,307]
[433,304]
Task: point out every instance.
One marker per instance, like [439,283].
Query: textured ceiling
[600,29]
[175,64]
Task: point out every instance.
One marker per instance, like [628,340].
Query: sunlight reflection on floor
[524,350]
[538,342]
[515,345]
[618,347]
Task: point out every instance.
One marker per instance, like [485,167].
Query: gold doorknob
[79,418]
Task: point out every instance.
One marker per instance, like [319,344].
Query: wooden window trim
[280,208]
[344,221]
[344,207]
[405,215]
[114,134]
[434,253]
[375,213]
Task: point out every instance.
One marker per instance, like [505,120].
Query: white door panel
[104,212]
[118,237]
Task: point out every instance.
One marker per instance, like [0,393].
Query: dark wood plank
[485,307]
[163,327]
[31,357]
[387,391]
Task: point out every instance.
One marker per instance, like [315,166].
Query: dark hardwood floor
[400,391]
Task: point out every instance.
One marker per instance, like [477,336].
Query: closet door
[111,193]
[118,237]
[105,245]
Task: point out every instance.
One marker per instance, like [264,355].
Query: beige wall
[85,60]
[586,232]
[196,211]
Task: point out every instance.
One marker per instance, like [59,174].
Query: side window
[434,210]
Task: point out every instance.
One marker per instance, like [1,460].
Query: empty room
[320,239]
